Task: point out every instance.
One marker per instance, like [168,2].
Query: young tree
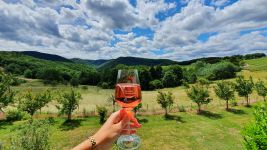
[244,87]
[69,101]
[31,102]
[165,100]
[199,95]
[261,89]
[225,91]
[6,94]
[137,108]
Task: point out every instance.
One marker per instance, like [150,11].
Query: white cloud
[85,30]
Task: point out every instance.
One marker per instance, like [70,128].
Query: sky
[104,29]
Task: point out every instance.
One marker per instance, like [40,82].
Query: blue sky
[97,29]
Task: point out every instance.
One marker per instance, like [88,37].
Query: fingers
[117,116]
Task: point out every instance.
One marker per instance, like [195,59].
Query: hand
[111,130]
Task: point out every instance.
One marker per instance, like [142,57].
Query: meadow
[215,128]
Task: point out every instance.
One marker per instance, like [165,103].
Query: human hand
[111,130]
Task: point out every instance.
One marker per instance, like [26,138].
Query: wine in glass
[128,96]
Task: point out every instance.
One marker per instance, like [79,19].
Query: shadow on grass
[71,124]
[210,115]
[143,120]
[174,117]
[4,123]
[236,111]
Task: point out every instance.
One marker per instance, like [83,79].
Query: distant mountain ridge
[45,56]
[134,61]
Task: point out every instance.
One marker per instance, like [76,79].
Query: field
[214,129]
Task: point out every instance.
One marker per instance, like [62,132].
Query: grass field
[215,129]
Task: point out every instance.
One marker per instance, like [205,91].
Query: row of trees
[225,90]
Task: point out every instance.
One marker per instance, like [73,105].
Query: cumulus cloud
[87,29]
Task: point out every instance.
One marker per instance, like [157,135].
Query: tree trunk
[264,99]
[69,116]
[227,105]
[199,108]
[166,112]
[247,100]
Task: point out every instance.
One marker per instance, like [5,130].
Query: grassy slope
[218,129]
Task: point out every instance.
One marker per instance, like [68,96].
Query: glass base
[129,142]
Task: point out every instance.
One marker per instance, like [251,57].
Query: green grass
[215,129]
[259,64]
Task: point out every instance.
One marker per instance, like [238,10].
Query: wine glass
[128,96]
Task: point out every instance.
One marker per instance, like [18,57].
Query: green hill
[133,61]
[259,64]
[45,56]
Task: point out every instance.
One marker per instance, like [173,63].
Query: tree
[158,70]
[69,101]
[225,91]
[155,84]
[199,95]
[6,94]
[178,72]
[261,89]
[28,73]
[169,79]
[244,87]
[255,134]
[153,72]
[31,102]
[74,81]
[165,100]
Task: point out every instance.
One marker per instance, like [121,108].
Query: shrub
[16,115]
[155,84]
[28,73]
[102,112]
[255,134]
[104,85]
[137,108]
[261,89]
[33,135]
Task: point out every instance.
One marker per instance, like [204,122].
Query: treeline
[158,77]
[154,77]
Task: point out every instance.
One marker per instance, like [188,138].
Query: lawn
[214,129]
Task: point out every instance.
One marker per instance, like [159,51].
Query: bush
[102,112]
[16,115]
[155,84]
[255,134]
[33,135]
[169,79]
[28,73]
[104,85]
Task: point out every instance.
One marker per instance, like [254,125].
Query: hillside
[259,64]
[133,61]
[96,63]
[45,56]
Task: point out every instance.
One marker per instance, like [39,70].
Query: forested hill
[96,63]
[45,56]
[134,61]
